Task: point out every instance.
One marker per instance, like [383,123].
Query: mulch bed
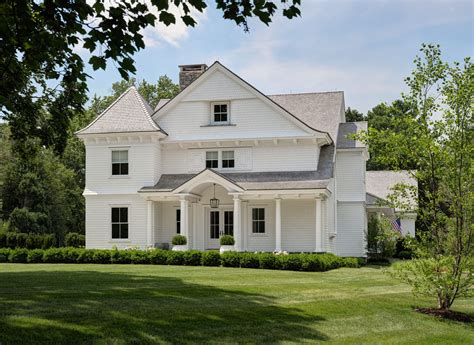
[447,314]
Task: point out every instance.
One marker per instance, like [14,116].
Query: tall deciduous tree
[42,77]
[438,138]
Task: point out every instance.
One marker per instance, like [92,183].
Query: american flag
[396,225]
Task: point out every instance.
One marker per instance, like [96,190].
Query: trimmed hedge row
[29,241]
[292,262]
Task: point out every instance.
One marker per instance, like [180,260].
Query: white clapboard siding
[99,221]
[260,242]
[408,226]
[142,164]
[258,158]
[351,226]
[220,86]
[298,225]
[250,118]
[350,176]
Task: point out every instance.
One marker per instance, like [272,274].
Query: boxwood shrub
[211,258]
[230,259]
[295,262]
[175,258]
[250,260]
[192,257]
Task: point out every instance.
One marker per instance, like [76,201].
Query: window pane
[254,213]
[227,154]
[211,155]
[123,215]
[178,221]
[123,156]
[123,230]
[229,223]
[115,215]
[116,169]
[115,156]
[124,169]
[223,108]
[261,214]
[217,108]
[115,231]
[214,224]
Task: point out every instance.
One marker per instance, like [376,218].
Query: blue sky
[364,48]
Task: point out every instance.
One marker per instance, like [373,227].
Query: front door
[220,222]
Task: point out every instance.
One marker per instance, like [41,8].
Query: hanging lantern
[214,202]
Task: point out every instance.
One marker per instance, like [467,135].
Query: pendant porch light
[214,202]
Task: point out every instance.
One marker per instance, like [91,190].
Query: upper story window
[120,162]
[220,113]
[228,160]
[212,159]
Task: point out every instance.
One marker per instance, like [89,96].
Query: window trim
[212,121]
[265,220]
[218,159]
[118,149]
[222,159]
[120,240]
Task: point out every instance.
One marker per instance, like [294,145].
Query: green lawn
[113,304]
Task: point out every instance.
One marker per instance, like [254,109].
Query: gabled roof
[165,105]
[380,183]
[345,130]
[321,110]
[129,113]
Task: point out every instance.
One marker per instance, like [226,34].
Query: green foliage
[179,240]
[290,262]
[101,256]
[227,240]
[175,258]
[139,257]
[19,255]
[267,261]
[43,80]
[192,258]
[54,255]
[381,238]
[211,258]
[30,241]
[230,259]
[353,115]
[249,260]
[3,239]
[73,239]
[35,255]
[158,256]
[437,137]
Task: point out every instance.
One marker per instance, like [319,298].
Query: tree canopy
[43,82]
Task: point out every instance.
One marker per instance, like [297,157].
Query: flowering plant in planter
[227,243]
[179,243]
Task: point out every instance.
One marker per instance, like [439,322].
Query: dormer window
[220,113]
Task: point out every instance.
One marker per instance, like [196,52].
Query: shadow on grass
[90,306]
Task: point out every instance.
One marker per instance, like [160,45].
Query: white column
[318,227]
[149,224]
[194,224]
[278,225]
[237,223]
[184,220]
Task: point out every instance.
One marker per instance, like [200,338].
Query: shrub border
[310,262]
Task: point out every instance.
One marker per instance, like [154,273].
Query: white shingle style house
[277,172]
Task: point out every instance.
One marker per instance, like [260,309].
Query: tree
[437,137]
[42,78]
[387,117]
[353,115]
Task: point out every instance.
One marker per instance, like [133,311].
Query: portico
[255,218]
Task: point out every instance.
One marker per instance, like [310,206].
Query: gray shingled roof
[347,128]
[319,110]
[379,183]
[264,180]
[129,113]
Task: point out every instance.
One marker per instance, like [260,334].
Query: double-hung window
[212,159]
[119,222]
[228,160]
[120,162]
[258,220]
[220,113]
[178,221]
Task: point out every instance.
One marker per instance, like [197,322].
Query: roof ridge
[304,93]
[106,110]
[142,101]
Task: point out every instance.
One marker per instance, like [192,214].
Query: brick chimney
[188,73]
